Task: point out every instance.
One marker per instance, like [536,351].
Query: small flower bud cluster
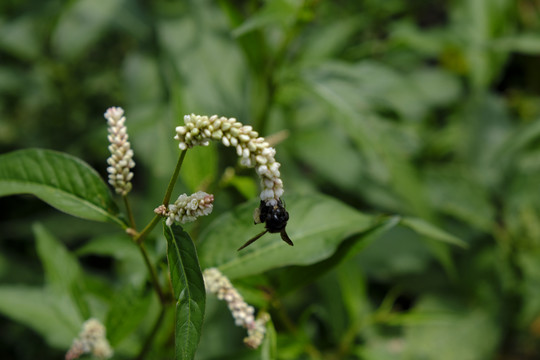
[217,283]
[257,331]
[253,150]
[91,340]
[188,208]
[120,162]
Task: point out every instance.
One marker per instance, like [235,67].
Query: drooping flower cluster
[253,149]
[121,159]
[91,340]
[187,208]
[217,283]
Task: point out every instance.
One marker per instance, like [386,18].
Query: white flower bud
[188,208]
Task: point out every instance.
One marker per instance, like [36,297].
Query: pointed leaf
[128,309]
[62,271]
[295,277]
[47,314]
[269,345]
[61,180]
[188,286]
[317,225]
[424,228]
[82,24]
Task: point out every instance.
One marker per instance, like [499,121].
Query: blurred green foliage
[425,109]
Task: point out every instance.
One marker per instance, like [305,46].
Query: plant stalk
[152,335]
[174,177]
[129,212]
[153,274]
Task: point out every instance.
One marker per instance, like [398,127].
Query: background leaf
[61,180]
[44,312]
[424,228]
[81,25]
[456,331]
[62,271]
[127,311]
[189,291]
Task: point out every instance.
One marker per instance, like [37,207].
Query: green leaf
[21,37]
[82,24]
[277,12]
[440,328]
[188,286]
[47,314]
[431,231]
[62,271]
[61,180]
[269,345]
[525,43]
[127,311]
[317,225]
[295,277]
[129,263]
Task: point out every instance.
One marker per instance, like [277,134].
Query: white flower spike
[92,340]
[218,284]
[120,162]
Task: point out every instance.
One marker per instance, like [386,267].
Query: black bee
[275,219]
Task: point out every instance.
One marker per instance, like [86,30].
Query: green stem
[140,236]
[174,177]
[347,340]
[152,335]
[129,212]
[283,316]
[153,275]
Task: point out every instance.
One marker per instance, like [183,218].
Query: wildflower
[187,208]
[91,340]
[217,283]
[254,151]
[120,162]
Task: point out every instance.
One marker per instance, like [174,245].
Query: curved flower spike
[218,284]
[254,151]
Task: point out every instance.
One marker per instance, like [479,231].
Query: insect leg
[285,237]
[252,240]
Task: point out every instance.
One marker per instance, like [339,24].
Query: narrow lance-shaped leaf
[188,286]
[61,180]
[62,271]
[424,228]
[40,310]
[269,346]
